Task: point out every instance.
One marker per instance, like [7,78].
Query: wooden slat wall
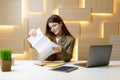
[85,19]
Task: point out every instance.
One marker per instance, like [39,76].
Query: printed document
[42,44]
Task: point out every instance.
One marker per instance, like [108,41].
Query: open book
[42,44]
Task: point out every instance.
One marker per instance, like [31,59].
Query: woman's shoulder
[70,38]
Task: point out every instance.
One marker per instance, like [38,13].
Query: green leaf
[5,54]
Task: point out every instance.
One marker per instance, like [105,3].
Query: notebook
[99,55]
[65,68]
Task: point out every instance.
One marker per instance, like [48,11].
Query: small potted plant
[6,61]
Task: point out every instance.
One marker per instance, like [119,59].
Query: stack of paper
[42,44]
[51,64]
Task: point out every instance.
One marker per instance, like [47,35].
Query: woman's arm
[67,50]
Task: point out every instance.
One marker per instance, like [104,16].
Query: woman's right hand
[57,49]
[33,32]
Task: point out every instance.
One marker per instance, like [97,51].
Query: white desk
[26,70]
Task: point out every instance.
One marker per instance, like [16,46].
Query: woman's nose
[52,29]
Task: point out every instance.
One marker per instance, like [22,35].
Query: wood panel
[110,28]
[36,5]
[100,6]
[75,14]
[74,28]
[115,41]
[16,42]
[10,12]
[65,3]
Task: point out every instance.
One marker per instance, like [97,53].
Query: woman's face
[56,28]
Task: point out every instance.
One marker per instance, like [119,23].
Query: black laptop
[99,55]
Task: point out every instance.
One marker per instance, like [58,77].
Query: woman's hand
[57,49]
[33,32]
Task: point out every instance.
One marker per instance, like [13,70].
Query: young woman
[57,32]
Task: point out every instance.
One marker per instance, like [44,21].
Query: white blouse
[58,39]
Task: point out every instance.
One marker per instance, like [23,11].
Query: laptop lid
[99,55]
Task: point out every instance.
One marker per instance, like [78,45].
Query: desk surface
[27,70]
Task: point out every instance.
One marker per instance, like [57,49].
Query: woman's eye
[54,25]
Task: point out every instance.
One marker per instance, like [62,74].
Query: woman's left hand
[57,49]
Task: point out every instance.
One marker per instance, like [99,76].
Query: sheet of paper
[42,44]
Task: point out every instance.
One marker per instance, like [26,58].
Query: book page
[42,44]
